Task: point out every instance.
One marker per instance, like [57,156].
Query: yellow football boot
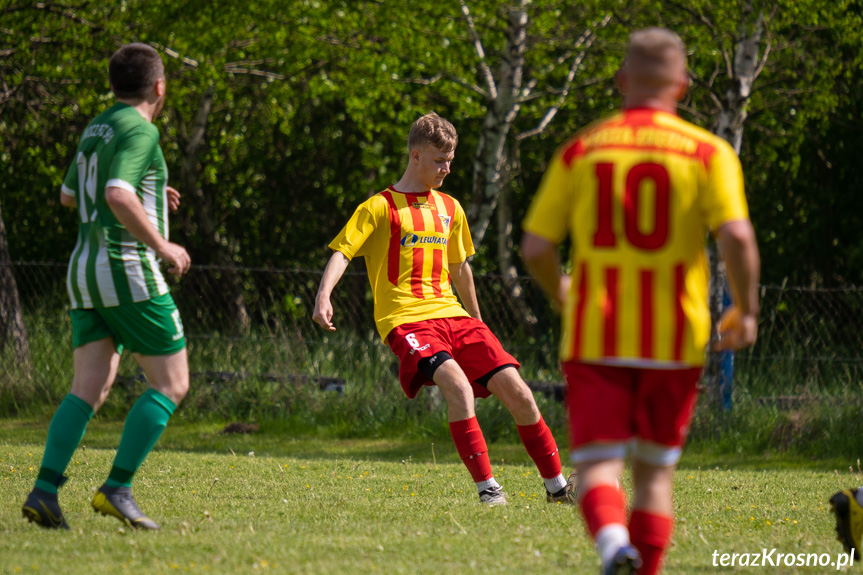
[849,520]
[118,502]
[42,509]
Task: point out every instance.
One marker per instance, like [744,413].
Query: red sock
[601,506]
[541,447]
[471,447]
[650,534]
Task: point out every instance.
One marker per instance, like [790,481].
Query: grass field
[270,503]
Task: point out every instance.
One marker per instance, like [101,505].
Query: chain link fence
[251,322]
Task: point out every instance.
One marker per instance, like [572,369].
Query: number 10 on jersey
[656,234]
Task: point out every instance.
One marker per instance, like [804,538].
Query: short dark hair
[133,70]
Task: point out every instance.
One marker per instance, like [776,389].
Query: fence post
[726,362]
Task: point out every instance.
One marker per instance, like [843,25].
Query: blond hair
[655,58]
[434,130]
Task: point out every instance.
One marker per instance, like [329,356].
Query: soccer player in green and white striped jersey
[118,185]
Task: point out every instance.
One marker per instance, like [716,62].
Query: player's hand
[563,291]
[323,314]
[736,330]
[176,257]
[173,199]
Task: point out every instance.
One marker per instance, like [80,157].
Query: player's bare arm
[462,279]
[173,199]
[67,201]
[130,212]
[323,314]
[738,327]
[542,261]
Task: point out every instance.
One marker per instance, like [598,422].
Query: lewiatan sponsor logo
[423,240]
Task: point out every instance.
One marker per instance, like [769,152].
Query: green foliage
[312,101]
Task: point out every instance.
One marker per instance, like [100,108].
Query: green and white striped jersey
[109,266]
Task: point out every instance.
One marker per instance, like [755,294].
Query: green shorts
[151,327]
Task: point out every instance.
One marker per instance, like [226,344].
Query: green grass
[327,505]
[824,421]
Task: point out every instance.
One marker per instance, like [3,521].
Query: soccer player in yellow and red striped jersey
[416,244]
[636,193]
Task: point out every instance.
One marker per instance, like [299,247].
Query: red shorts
[613,409]
[469,341]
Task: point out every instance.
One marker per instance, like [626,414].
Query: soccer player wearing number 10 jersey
[416,243]
[636,193]
[117,184]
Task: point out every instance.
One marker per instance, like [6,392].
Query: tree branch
[173,54]
[586,41]
[446,76]
[480,52]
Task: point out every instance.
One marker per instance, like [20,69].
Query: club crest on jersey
[414,240]
[445,220]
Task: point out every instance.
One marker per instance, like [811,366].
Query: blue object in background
[726,361]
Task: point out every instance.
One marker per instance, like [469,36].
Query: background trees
[283,115]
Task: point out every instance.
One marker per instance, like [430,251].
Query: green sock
[144,424]
[65,433]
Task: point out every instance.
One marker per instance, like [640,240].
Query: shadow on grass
[206,437]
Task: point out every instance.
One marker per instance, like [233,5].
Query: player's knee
[510,388]
[180,389]
[175,388]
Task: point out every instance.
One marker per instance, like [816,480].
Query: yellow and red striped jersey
[408,241]
[636,193]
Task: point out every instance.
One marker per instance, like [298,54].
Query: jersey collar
[392,189]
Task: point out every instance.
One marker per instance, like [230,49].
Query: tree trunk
[230,289]
[502,111]
[12,328]
[729,126]
[490,184]
[513,287]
